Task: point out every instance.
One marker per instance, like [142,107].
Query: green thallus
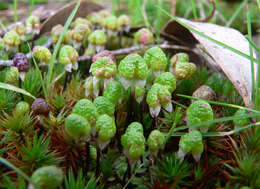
[133,71]
[191,142]
[69,58]
[198,112]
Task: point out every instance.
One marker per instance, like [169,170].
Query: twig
[211,14]
[133,175]
[173,9]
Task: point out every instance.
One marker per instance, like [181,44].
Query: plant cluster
[110,122]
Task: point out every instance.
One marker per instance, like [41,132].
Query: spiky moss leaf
[106,128]
[243,121]
[48,177]
[97,37]
[68,55]
[156,140]
[173,169]
[133,66]
[155,59]
[114,91]
[32,84]
[104,68]
[8,100]
[104,106]
[191,142]
[135,127]
[74,182]
[168,80]
[199,111]
[37,153]
[86,109]
[77,127]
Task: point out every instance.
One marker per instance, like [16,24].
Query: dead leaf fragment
[235,67]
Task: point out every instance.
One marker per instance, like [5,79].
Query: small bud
[123,21]
[156,141]
[33,25]
[42,53]
[77,127]
[102,54]
[191,142]
[114,92]
[104,106]
[199,111]
[89,52]
[11,40]
[22,107]
[110,24]
[168,80]
[135,127]
[156,60]
[97,40]
[86,109]
[49,177]
[69,58]
[93,152]
[20,30]
[106,129]
[40,107]
[95,18]
[79,34]
[21,62]
[104,13]
[158,96]
[179,57]
[133,71]
[81,21]
[103,69]
[56,32]
[144,37]
[242,121]
[12,75]
[204,92]
[133,142]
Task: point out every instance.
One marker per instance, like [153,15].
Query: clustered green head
[114,92]
[33,25]
[242,121]
[158,96]
[156,141]
[133,142]
[104,106]
[133,71]
[200,111]
[191,142]
[106,130]
[11,40]
[69,58]
[144,36]
[156,60]
[47,177]
[42,53]
[181,67]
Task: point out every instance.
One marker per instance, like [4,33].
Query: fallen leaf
[60,16]
[235,67]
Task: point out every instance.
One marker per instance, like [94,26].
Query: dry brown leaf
[235,67]
[62,14]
